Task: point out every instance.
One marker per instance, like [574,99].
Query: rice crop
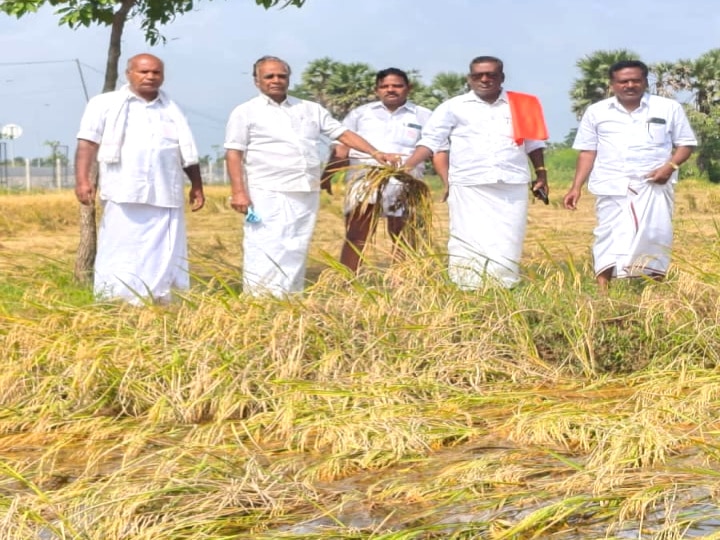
[388,405]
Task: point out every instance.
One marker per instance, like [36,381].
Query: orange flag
[527,117]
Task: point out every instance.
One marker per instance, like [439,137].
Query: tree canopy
[594,82]
[340,87]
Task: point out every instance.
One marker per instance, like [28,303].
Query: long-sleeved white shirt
[631,144]
[150,168]
[482,146]
[281,142]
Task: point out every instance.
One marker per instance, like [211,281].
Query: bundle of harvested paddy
[414,197]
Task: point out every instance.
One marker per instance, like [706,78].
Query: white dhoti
[634,232]
[142,252]
[275,249]
[487,230]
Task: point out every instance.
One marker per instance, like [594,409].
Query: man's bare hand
[85,192]
[394,160]
[197,198]
[571,199]
[240,202]
[660,175]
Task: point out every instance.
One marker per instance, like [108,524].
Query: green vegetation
[340,87]
[387,406]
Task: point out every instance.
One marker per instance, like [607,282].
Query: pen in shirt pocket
[655,121]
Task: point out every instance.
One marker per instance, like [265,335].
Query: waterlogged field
[387,406]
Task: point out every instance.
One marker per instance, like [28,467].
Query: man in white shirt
[392,123]
[626,147]
[272,151]
[145,150]
[488,174]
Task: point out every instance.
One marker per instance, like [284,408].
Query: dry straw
[415,198]
[386,405]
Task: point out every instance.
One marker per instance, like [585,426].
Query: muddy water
[687,509]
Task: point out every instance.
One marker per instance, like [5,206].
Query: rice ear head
[415,198]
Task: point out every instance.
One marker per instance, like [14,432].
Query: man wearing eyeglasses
[491,134]
[631,147]
[272,152]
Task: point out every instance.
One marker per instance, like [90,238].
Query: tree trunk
[87,247]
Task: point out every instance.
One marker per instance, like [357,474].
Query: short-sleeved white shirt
[150,168]
[281,142]
[631,144]
[395,131]
[482,145]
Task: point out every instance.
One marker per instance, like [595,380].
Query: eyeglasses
[478,75]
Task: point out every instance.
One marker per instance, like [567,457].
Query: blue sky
[209,53]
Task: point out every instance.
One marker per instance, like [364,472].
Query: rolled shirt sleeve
[236,132]
[92,123]
[436,133]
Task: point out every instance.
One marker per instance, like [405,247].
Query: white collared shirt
[150,168]
[395,131]
[281,142]
[482,146]
[631,144]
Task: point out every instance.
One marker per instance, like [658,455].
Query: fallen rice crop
[386,405]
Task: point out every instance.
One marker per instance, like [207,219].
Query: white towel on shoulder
[116,119]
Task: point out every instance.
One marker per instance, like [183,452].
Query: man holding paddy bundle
[491,134]
[393,123]
[631,147]
[145,149]
[273,159]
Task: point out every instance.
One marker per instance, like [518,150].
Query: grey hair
[268,58]
[132,59]
[487,59]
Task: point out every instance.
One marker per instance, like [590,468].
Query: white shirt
[631,144]
[150,168]
[281,142]
[482,146]
[395,131]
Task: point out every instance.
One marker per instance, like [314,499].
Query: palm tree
[337,86]
[443,86]
[594,83]
[700,78]
[704,82]
[663,81]
[315,80]
[349,86]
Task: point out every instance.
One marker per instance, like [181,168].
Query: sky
[209,52]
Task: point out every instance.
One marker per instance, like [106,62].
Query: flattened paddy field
[388,405]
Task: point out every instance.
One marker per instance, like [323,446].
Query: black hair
[380,75]
[624,64]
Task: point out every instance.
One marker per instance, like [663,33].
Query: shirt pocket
[169,131]
[657,132]
[306,128]
[410,134]
[504,125]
